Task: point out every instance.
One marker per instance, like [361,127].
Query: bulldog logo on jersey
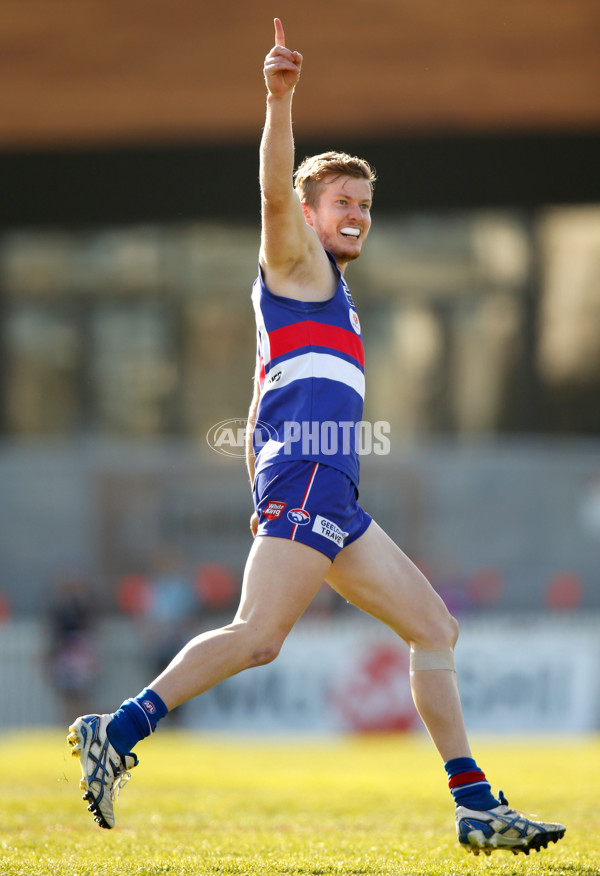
[354,321]
[298,516]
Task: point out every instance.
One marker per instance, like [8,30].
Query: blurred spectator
[171,602]
[216,588]
[5,611]
[485,588]
[72,659]
[171,608]
[564,592]
[134,595]
[164,604]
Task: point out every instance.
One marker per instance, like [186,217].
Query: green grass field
[205,805]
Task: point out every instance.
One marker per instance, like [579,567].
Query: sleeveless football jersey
[310,366]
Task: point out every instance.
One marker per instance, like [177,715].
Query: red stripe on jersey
[318,334]
[468,778]
[311,479]
[305,497]
[261,370]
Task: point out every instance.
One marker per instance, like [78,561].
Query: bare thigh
[281,579]
[374,574]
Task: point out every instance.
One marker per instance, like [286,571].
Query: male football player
[308,525]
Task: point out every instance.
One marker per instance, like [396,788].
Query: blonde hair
[315,170]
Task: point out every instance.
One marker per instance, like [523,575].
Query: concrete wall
[527,510]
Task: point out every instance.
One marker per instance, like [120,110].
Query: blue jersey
[310,366]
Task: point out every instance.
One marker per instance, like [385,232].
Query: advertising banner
[347,679]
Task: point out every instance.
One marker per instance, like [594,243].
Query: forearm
[277,150]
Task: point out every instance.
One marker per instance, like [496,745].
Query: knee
[446,631]
[265,652]
[259,647]
[453,630]
[440,633]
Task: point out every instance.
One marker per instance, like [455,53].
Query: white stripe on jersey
[315,365]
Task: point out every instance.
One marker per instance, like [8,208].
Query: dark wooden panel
[115,71]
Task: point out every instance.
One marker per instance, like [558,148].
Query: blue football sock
[135,719]
[468,784]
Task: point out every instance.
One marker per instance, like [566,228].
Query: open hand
[282,66]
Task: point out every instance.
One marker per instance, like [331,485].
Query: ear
[308,214]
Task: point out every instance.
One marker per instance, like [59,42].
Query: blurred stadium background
[128,244]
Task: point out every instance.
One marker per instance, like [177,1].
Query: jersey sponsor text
[329,529]
[274,510]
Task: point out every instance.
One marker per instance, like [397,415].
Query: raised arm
[291,255]
[282,72]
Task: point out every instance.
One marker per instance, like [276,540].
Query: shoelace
[120,782]
[504,802]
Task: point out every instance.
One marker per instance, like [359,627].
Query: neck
[342,265]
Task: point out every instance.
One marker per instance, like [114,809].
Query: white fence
[518,675]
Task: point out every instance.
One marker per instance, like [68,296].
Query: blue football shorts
[309,502]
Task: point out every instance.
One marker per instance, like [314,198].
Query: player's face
[342,217]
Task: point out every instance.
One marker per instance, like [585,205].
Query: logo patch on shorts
[328,529]
[274,510]
[298,516]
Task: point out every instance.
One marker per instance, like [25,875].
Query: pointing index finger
[279,34]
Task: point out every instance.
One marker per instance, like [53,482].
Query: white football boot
[503,828]
[103,771]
